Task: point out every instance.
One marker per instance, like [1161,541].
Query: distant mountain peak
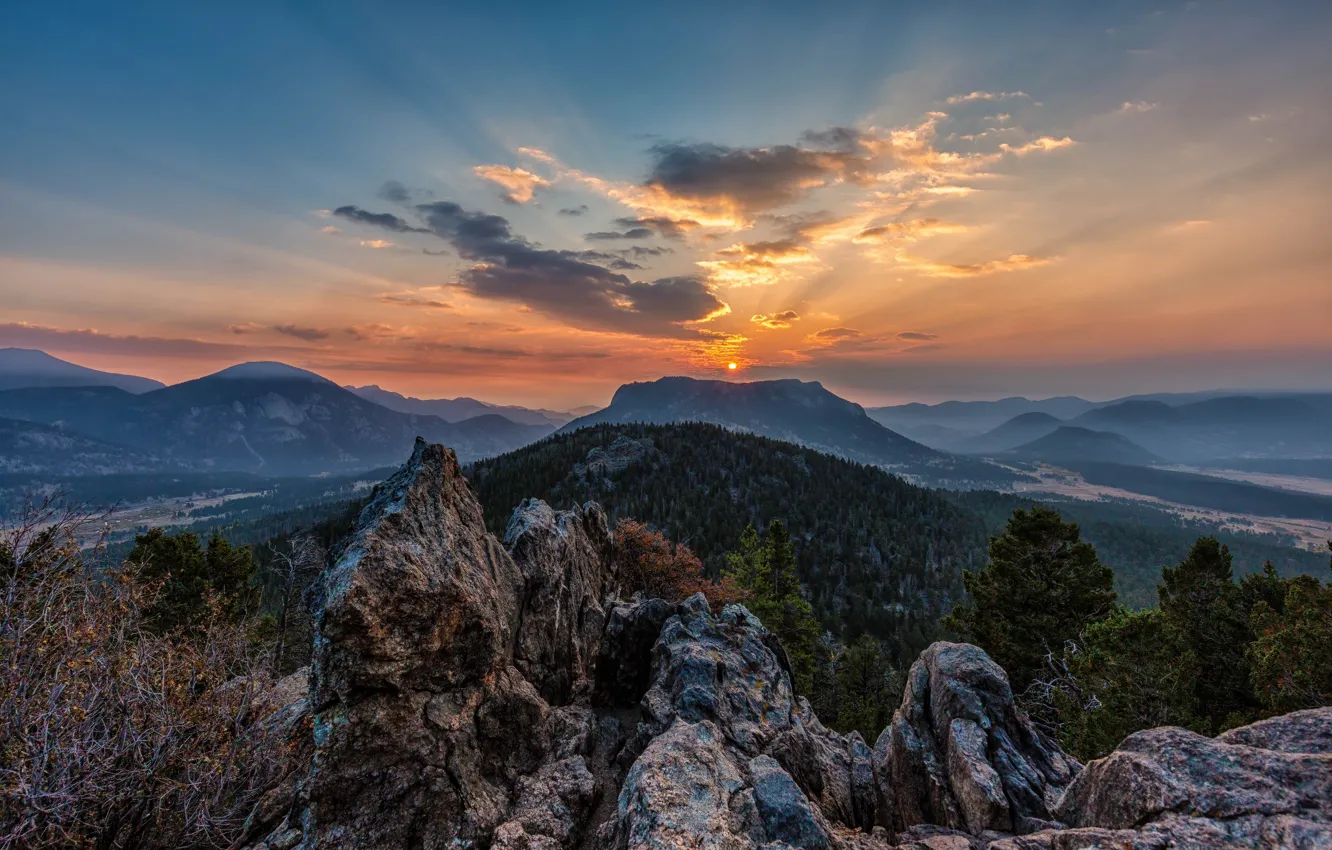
[265,370]
[30,367]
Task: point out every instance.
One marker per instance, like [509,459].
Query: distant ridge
[458,409]
[29,367]
[1071,444]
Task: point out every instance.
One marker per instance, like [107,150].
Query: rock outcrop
[959,753]
[468,693]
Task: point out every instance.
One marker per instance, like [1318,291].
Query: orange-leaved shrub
[112,734]
[651,564]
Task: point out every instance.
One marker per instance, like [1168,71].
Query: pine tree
[1041,588]
[1203,613]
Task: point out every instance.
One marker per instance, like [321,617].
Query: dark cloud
[395,192]
[666,228]
[305,333]
[565,283]
[578,210]
[388,221]
[436,253]
[834,138]
[775,321]
[632,233]
[642,251]
[836,333]
[755,179]
[916,335]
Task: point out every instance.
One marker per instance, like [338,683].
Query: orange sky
[1139,231]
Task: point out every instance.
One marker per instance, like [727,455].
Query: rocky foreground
[472,693]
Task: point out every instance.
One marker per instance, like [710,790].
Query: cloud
[664,227]
[1013,262]
[756,263]
[828,334]
[775,321]
[745,181]
[916,335]
[632,233]
[387,221]
[1043,144]
[565,284]
[394,191]
[245,328]
[521,183]
[93,341]
[306,333]
[330,228]
[377,243]
[906,231]
[986,95]
[581,209]
[1138,106]
[413,299]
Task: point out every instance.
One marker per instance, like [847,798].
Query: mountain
[971,418]
[800,412]
[1223,426]
[26,367]
[1019,430]
[33,448]
[1072,444]
[457,409]
[258,417]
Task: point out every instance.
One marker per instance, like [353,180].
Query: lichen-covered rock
[783,809]
[1192,789]
[835,770]
[720,669]
[960,754]
[684,791]
[568,569]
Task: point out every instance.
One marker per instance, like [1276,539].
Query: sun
[730,366]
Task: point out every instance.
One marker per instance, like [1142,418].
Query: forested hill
[877,554]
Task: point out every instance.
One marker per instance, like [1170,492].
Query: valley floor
[1307,533]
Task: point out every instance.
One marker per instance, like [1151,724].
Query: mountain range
[258,417]
[1189,428]
[457,409]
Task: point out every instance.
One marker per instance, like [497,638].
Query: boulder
[1273,790]
[836,770]
[960,754]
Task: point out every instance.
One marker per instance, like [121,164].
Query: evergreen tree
[868,689]
[1041,588]
[767,574]
[194,578]
[1202,609]
[1290,658]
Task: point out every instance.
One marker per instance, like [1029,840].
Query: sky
[534,203]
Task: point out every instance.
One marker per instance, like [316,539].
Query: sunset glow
[899,202]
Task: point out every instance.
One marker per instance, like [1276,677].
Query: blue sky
[1139,204]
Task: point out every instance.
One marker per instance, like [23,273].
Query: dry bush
[654,566]
[112,736]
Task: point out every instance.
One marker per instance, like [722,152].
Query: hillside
[1015,432]
[801,412]
[877,553]
[267,418]
[1068,444]
[26,367]
[33,448]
